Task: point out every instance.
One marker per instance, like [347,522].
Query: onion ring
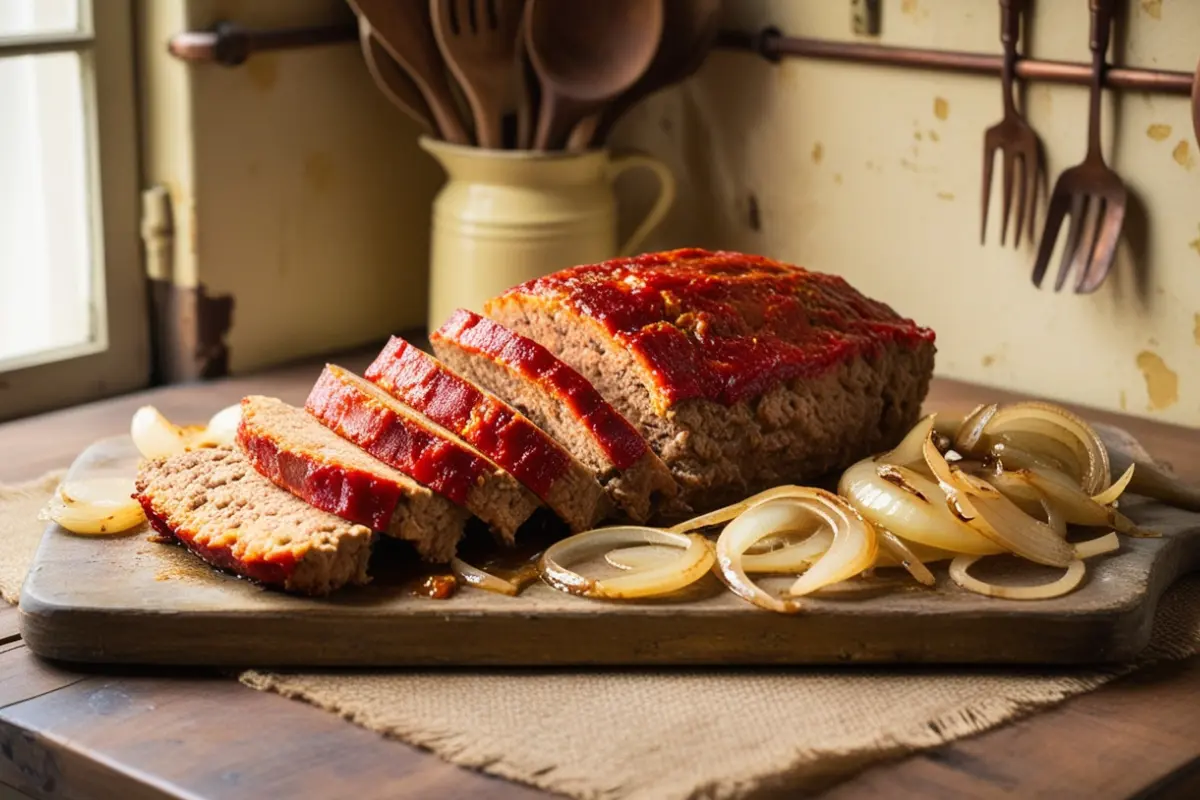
[1057,588]
[694,562]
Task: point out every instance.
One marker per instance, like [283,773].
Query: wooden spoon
[391,80]
[585,55]
[689,30]
[403,28]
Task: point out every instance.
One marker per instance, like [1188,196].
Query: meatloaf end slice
[561,402]
[221,509]
[296,452]
[361,412]
[740,372]
[498,430]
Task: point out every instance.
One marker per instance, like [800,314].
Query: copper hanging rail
[772,45]
[230,44]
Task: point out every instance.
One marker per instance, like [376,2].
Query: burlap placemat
[665,733]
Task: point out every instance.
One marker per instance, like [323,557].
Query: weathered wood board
[129,600]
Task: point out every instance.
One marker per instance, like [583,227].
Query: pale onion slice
[155,436]
[967,437]
[694,561]
[1108,543]
[1068,582]
[895,546]
[1114,492]
[97,506]
[985,510]
[221,429]
[474,576]
[1053,431]
[750,527]
[909,453]
[641,557]
[910,506]
[792,558]
[855,545]
[722,515]
[1016,487]
[1075,504]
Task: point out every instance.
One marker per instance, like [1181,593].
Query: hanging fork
[1012,137]
[1091,192]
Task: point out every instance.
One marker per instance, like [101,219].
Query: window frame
[117,359]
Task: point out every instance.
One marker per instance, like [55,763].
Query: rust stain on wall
[263,71]
[837,178]
[1195,243]
[1159,132]
[1182,155]
[1162,383]
[933,136]
[190,327]
[988,360]
[945,195]
[1153,8]
[818,152]
[941,107]
[1196,328]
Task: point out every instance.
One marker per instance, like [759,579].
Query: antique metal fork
[1091,192]
[1012,138]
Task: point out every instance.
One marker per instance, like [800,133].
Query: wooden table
[170,733]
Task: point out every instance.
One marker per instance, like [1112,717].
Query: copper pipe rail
[230,44]
[772,45]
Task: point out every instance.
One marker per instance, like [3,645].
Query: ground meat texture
[221,509]
[561,402]
[295,451]
[740,372]
[362,413]
[498,430]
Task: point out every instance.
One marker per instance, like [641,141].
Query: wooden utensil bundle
[530,74]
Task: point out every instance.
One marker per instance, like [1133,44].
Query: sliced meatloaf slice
[222,510]
[361,412]
[296,452]
[741,372]
[561,402]
[498,430]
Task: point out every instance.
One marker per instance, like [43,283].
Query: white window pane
[46,283]
[24,17]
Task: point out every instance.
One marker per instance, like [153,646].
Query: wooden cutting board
[127,599]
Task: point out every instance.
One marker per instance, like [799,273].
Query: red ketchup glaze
[438,463]
[620,441]
[274,570]
[487,422]
[725,326]
[351,494]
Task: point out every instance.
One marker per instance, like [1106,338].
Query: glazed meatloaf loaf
[222,510]
[741,372]
[561,402]
[361,412]
[498,430]
[296,452]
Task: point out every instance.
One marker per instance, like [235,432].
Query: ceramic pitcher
[505,216]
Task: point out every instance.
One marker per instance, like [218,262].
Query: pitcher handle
[623,160]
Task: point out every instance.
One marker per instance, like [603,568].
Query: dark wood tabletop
[155,733]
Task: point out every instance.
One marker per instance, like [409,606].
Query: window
[72,297]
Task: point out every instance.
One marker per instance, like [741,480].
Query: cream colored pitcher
[506,216]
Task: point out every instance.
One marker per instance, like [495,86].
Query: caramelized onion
[1113,493]
[791,558]
[909,452]
[474,576]
[1053,433]
[966,438]
[904,556]
[96,506]
[722,515]
[694,561]
[1063,585]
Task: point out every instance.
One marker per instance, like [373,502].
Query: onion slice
[694,561]
[221,429]
[97,506]
[155,436]
[909,452]
[1054,432]
[966,439]
[1075,504]
[791,558]
[1068,582]
[1108,543]
[895,546]
[480,579]
[641,556]
[722,515]
[1114,492]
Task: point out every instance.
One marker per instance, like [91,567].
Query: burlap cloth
[667,733]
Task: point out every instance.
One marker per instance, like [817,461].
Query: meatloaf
[498,430]
[222,510]
[741,372]
[361,412]
[561,402]
[296,452]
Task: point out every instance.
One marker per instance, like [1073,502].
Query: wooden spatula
[392,80]
[403,28]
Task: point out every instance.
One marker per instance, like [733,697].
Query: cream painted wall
[296,187]
[874,173]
